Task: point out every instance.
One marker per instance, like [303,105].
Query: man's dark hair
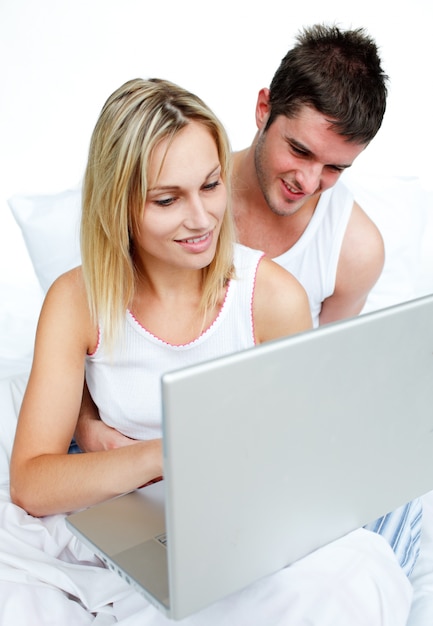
[338,73]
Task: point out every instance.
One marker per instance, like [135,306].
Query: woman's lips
[196,244]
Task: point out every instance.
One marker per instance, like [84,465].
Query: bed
[33,587]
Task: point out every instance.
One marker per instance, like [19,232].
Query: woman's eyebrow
[214,171]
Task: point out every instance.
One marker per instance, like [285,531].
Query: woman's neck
[168,305]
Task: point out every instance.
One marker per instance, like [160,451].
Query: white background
[61,59]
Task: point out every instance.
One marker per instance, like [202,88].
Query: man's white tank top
[313,259]
[125,385]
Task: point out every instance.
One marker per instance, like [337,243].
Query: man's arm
[91,433]
[359,267]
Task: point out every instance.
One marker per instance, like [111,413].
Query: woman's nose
[197,216]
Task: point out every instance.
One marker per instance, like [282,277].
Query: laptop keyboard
[162,539]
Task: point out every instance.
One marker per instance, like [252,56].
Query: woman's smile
[196,244]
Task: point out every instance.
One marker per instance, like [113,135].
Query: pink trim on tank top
[253,327]
[98,343]
[181,345]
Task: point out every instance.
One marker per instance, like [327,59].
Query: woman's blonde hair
[134,120]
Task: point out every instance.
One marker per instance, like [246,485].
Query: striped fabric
[402,530]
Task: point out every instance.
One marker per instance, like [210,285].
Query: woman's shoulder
[70,282]
[65,315]
[281,303]
[67,296]
[272,275]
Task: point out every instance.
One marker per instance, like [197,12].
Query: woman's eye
[164,201]
[211,186]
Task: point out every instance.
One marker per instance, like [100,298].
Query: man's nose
[309,177]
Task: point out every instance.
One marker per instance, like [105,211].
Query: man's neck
[257,226]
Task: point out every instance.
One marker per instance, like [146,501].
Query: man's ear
[263,108]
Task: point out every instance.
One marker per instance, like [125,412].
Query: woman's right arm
[45,479]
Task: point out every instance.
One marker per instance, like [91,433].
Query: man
[325,104]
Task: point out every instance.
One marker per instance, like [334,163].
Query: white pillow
[50,225]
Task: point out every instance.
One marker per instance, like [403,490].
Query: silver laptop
[273,452]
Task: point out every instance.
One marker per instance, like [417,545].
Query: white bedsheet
[48,577]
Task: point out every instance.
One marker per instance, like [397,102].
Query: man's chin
[288,209]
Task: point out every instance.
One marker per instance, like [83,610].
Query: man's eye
[299,152]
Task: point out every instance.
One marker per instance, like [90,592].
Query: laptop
[273,452]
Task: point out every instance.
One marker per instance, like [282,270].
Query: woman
[161,285]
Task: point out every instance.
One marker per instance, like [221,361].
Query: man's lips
[292,191]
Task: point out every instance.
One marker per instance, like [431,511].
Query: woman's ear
[263,108]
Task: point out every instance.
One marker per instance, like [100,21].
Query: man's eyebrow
[175,187]
[300,146]
[297,144]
